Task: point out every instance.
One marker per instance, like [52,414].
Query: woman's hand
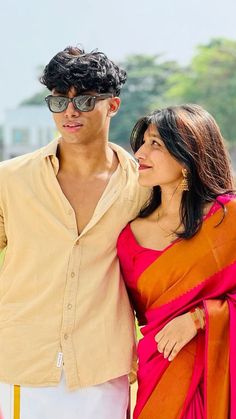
[175,335]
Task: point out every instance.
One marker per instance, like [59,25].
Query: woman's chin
[145,184]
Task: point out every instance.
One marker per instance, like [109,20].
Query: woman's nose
[140,154]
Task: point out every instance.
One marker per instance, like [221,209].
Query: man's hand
[175,335]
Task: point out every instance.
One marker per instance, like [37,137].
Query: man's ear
[114,105]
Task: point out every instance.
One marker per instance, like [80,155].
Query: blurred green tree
[146,85]
[210,81]
[37,99]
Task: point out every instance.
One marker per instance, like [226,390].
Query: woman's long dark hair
[193,138]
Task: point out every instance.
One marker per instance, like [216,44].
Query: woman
[179,263]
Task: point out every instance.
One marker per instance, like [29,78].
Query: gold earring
[184,186]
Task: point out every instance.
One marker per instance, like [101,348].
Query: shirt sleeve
[144,196]
[124,256]
[3,238]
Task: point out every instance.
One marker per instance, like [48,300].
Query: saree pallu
[201,381]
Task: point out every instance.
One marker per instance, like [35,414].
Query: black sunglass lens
[84,103]
[58,104]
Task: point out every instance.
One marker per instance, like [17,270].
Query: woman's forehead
[152,131]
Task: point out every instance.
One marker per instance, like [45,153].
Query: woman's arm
[179,331]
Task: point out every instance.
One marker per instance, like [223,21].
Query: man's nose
[71,110]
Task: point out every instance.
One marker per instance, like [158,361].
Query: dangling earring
[184,184]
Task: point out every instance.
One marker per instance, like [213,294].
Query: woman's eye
[155,143]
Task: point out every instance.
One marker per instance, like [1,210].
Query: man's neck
[85,159]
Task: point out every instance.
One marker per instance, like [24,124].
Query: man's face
[83,127]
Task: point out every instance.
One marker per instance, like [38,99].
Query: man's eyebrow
[54,90]
[58,93]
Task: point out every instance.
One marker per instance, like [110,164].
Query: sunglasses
[83,103]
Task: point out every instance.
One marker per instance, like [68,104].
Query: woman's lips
[144,167]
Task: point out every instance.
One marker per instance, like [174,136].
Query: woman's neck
[170,201]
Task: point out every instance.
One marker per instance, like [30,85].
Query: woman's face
[156,165]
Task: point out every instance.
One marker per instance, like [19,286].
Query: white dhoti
[104,401]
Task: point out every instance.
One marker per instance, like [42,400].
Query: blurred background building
[25,129]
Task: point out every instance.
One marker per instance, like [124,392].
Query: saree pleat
[195,409]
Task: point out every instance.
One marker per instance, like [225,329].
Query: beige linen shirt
[63,303]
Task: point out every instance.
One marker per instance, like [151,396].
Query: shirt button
[66,336]
[69,306]
[72,274]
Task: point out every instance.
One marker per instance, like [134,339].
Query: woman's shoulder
[126,240]
[125,245]
[224,199]
[227,200]
[123,237]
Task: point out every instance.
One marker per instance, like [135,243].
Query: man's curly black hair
[72,67]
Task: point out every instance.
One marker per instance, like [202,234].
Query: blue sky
[32,32]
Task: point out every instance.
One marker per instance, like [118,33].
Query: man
[66,326]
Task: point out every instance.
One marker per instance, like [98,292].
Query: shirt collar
[50,150]
[123,156]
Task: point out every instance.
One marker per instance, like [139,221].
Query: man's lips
[72,125]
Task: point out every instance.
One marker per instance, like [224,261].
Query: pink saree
[201,381]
